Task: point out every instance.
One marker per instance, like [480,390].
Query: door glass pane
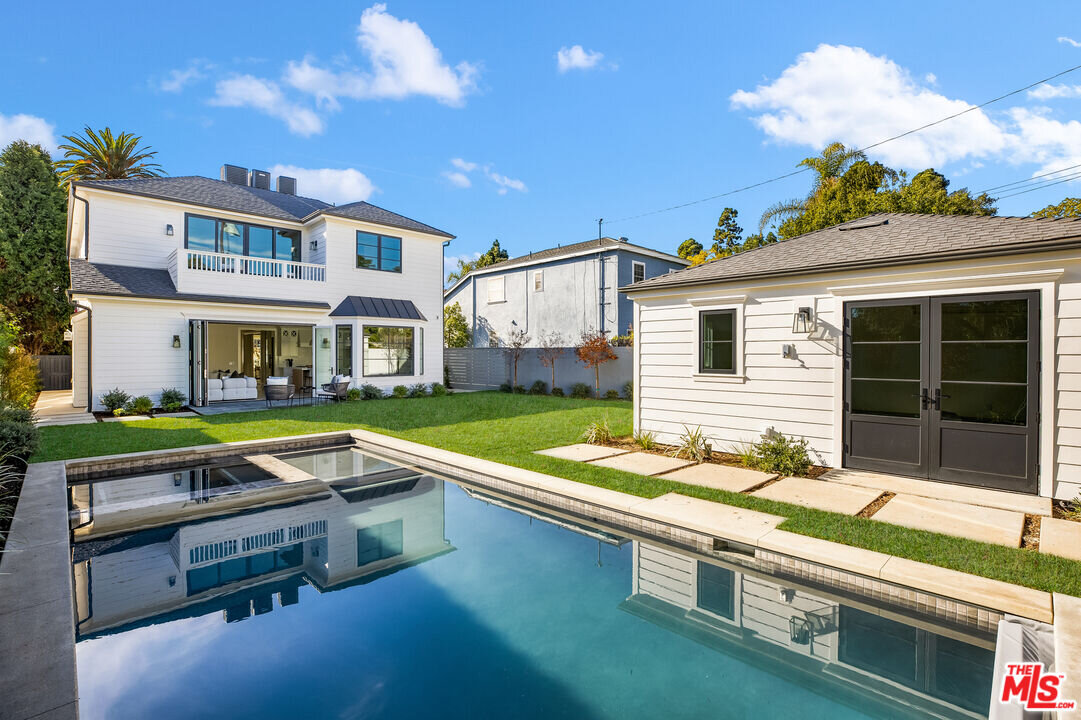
[985,403]
[345,350]
[898,361]
[201,234]
[260,242]
[232,238]
[323,358]
[985,320]
[886,323]
[986,361]
[886,397]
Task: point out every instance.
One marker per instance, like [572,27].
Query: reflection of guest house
[376,518]
[857,656]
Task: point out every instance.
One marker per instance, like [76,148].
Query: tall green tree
[33,257]
[689,248]
[828,167]
[1069,207]
[101,155]
[455,328]
[729,235]
[495,254]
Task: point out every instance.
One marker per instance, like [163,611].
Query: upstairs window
[496,290]
[379,252]
[236,238]
[638,271]
[538,281]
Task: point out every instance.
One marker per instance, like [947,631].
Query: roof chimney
[234,174]
[259,179]
[287,185]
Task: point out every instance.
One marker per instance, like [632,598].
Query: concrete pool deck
[37,623]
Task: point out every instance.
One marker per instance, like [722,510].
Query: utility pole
[600,228]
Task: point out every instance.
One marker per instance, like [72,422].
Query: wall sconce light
[326,342]
[176,341]
[313,245]
[803,321]
[169,230]
[788,351]
[172,580]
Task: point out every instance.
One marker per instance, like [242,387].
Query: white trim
[499,297]
[947,283]
[186,301]
[635,264]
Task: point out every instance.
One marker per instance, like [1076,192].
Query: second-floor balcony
[210,264]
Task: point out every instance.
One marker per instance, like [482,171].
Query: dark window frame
[244,224]
[412,356]
[735,339]
[379,237]
[337,348]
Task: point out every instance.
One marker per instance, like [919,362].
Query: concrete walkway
[53,407]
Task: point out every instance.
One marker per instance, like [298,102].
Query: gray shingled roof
[605,243]
[137,282]
[221,195]
[881,240]
[357,306]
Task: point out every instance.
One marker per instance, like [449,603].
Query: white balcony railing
[212,262]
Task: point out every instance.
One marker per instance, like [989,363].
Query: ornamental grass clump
[598,433]
[645,440]
[692,445]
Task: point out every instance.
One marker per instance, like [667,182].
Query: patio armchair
[336,389]
[278,388]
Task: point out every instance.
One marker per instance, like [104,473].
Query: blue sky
[527,122]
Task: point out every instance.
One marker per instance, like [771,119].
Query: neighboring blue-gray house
[567,290]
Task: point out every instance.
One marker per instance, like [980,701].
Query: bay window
[388,351]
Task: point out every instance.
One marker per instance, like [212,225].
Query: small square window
[496,290]
[638,271]
[538,281]
[717,341]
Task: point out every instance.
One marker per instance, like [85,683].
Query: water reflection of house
[375,518]
[858,656]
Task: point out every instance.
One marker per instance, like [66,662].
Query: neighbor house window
[379,252]
[388,351]
[716,339]
[237,238]
[496,290]
[538,281]
[638,271]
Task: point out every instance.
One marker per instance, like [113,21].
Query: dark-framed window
[388,351]
[717,341]
[211,234]
[717,590]
[379,252]
[379,542]
[344,347]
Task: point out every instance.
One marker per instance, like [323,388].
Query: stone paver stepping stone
[720,477]
[985,524]
[834,497]
[126,418]
[582,452]
[723,521]
[644,463]
[1061,537]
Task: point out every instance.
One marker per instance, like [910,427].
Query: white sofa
[230,388]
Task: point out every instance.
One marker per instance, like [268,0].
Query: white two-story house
[180,282]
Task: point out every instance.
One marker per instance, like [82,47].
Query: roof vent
[287,185]
[623,240]
[863,226]
[234,174]
[259,179]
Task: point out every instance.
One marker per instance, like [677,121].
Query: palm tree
[103,156]
[834,161]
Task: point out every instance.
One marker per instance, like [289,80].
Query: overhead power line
[1055,181]
[862,149]
[1029,179]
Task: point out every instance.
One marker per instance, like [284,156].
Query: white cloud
[1069,41]
[930,79]
[177,79]
[845,93]
[1042,139]
[577,58]
[30,128]
[1046,91]
[267,97]
[329,184]
[404,62]
[458,179]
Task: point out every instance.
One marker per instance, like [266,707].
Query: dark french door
[944,388]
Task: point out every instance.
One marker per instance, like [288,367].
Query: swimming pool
[357,587]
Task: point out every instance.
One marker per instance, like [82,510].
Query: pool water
[379,591]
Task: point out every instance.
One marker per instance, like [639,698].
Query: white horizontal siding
[1068,385]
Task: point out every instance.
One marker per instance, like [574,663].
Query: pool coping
[35,594]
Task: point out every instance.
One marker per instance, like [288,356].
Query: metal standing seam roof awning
[358,306]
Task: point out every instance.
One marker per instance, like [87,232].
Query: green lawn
[508,428]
